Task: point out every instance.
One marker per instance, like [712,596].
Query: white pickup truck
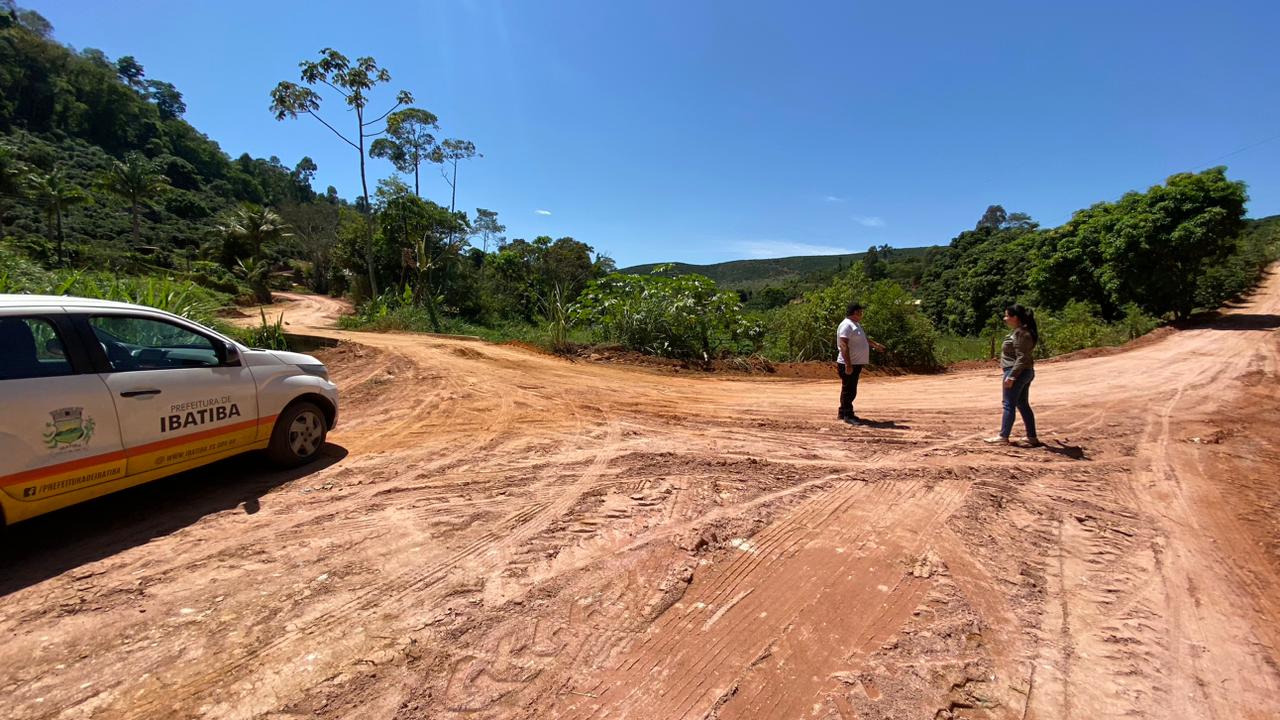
[97,396]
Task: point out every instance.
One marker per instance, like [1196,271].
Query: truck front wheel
[298,435]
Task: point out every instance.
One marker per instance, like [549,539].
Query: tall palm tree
[255,227]
[55,192]
[136,180]
[256,273]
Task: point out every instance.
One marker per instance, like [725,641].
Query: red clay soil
[496,533]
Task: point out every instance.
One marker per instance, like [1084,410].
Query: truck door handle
[139,393]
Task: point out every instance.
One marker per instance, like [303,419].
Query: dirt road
[501,534]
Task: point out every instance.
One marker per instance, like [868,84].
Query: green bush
[1079,325]
[385,314]
[806,329]
[1136,323]
[558,320]
[17,272]
[1075,327]
[215,277]
[686,316]
[269,335]
[893,318]
[185,205]
[375,314]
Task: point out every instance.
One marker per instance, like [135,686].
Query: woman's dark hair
[853,308]
[1027,317]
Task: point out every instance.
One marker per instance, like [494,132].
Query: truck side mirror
[230,355]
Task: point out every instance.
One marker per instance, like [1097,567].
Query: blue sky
[703,132]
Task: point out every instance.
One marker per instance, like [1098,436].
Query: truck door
[58,429]
[179,398]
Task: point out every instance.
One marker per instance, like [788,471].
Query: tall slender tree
[167,98]
[448,153]
[55,192]
[994,218]
[409,141]
[131,72]
[486,225]
[305,171]
[136,180]
[354,82]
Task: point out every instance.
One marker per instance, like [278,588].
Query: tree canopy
[1152,249]
[100,170]
[409,141]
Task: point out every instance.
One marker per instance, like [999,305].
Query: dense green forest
[106,190]
[906,265]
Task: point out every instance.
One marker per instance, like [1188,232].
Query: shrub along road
[502,534]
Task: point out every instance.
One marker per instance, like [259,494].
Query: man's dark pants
[848,388]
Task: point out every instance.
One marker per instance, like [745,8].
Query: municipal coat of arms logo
[68,428]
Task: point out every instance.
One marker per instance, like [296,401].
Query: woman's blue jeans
[1017,399]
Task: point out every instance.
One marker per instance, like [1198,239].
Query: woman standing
[1017,360]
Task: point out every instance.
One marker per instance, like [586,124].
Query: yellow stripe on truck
[171,451]
[35,485]
[45,482]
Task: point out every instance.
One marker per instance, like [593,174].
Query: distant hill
[754,274]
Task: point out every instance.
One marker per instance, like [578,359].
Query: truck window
[136,343]
[31,348]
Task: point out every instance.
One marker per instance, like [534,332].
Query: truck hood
[277,357]
[293,358]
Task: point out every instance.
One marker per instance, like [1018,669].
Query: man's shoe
[853,420]
[997,440]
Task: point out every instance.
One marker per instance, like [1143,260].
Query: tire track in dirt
[226,669]
[586,636]
[726,628]
[1149,633]
[392,593]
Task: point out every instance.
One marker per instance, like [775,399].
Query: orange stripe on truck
[81,463]
[201,435]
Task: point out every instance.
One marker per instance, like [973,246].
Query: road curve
[505,534]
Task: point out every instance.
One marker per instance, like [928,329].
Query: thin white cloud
[869,221]
[542,212]
[761,249]
[833,199]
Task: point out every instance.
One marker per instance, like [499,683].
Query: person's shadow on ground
[882,424]
[1075,452]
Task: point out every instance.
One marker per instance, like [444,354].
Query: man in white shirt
[854,348]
